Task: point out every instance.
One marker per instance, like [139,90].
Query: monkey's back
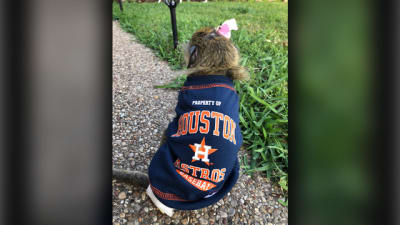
[198,164]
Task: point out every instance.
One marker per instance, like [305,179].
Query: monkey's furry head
[211,53]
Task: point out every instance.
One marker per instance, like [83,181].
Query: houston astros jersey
[198,164]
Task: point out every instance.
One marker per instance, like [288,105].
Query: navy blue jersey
[198,164]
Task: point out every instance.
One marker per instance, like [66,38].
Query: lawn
[262,41]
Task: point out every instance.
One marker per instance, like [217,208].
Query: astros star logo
[201,151]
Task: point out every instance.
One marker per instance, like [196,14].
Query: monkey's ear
[211,35]
[193,55]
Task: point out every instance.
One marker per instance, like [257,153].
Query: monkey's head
[210,53]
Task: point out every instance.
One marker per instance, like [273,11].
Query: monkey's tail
[132,177]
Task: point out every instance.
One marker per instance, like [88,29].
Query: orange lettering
[178,132]
[195,169]
[222,175]
[206,128]
[215,175]
[233,127]
[196,124]
[185,167]
[227,127]
[217,117]
[184,128]
[205,173]
[203,186]
[199,184]
[176,164]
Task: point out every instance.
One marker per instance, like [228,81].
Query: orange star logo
[201,151]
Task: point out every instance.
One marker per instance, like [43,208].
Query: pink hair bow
[226,27]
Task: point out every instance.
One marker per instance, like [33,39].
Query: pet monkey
[211,53]
[196,164]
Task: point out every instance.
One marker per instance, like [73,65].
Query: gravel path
[140,114]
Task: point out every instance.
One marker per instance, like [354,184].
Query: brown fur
[215,55]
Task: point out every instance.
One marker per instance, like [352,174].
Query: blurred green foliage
[333,68]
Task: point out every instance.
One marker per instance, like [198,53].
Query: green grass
[262,40]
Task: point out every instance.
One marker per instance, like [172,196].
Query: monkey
[210,53]
[196,164]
